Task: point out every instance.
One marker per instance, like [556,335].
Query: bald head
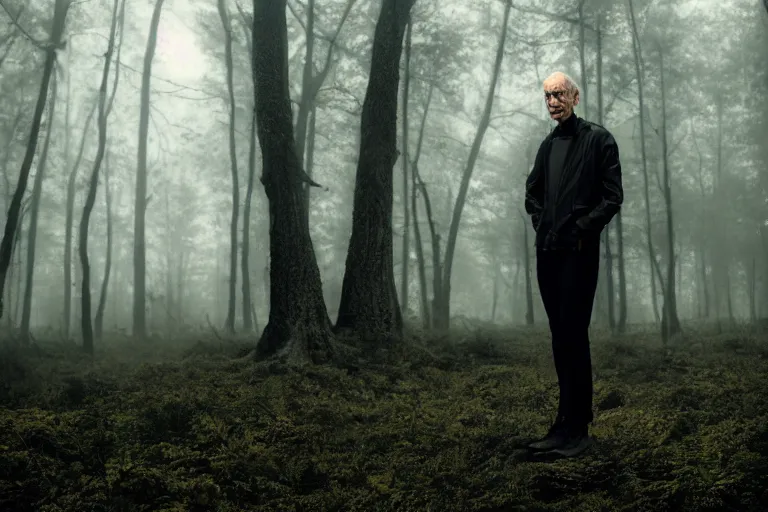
[561,94]
[560,79]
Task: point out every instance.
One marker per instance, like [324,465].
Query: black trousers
[567,282]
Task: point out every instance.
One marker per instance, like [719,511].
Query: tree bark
[369,305]
[140,200]
[298,327]
[6,246]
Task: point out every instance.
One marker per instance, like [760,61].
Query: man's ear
[576,98]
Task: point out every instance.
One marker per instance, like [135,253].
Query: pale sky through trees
[454,42]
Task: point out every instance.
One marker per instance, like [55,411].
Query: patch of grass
[432,424]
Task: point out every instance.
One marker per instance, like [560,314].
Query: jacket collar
[571,125]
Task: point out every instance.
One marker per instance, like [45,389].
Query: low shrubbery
[435,424]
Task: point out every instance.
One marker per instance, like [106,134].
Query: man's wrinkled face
[560,99]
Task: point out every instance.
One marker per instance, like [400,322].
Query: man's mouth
[554,112]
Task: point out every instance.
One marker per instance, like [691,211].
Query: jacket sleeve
[609,167]
[534,190]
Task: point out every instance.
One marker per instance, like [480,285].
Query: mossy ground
[432,426]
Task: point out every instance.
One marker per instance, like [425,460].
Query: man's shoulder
[600,133]
[597,129]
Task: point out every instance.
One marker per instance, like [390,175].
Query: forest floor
[433,426]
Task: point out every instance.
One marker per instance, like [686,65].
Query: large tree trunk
[298,327]
[406,215]
[12,221]
[85,321]
[369,305]
[34,211]
[231,304]
[444,299]
[140,200]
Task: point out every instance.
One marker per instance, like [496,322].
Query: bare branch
[15,22]
[296,15]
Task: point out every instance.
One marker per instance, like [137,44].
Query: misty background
[690,242]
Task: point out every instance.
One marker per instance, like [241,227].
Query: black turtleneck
[562,136]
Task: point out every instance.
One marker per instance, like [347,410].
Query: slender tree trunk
[298,327]
[34,212]
[622,323]
[529,319]
[85,321]
[584,86]
[619,325]
[247,301]
[7,201]
[670,321]
[644,158]
[99,320]
[249,313]
[369,305]
[443,320]
[609,283]
[437,274]
[495,285]
[12,221]
[18,273]
[406,215]
[69,219]
[225,22]
[310,86]
[170,248]
[751,268]
[140,200]
[415,180]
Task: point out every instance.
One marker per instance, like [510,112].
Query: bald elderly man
[572,192]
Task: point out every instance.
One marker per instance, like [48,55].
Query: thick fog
[694,158]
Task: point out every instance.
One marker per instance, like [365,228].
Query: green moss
[431,425]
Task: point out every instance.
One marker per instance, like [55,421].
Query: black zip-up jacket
[589,194]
